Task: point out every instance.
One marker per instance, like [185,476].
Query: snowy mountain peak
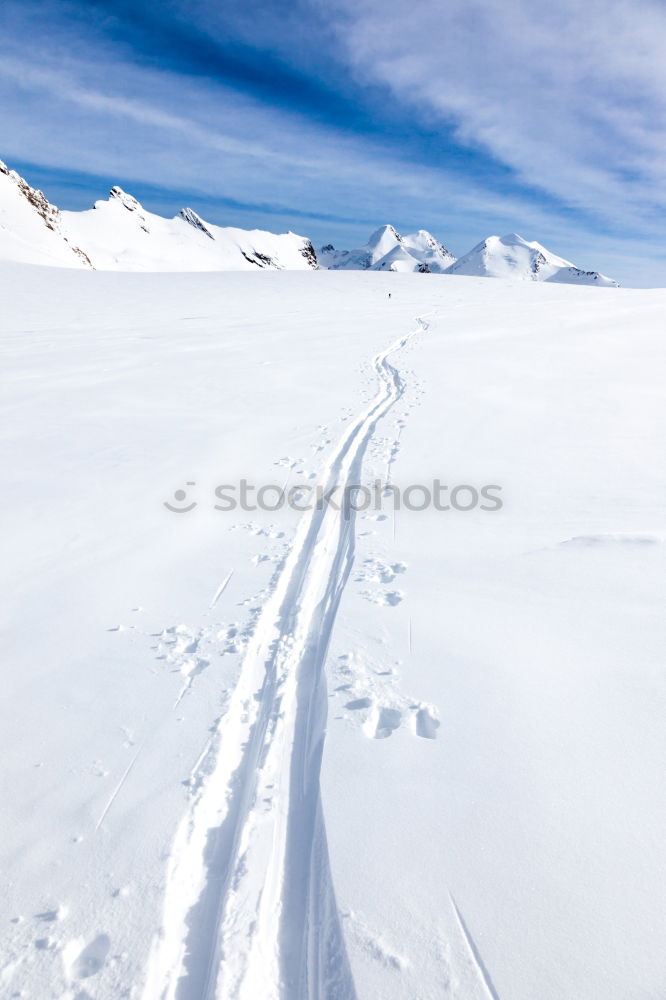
[383,235]
[191,217]
[432,254]
[128,200]
[511,239]
[512,256]
[424,239]
[387,250]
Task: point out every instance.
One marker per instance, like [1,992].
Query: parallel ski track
[250,911]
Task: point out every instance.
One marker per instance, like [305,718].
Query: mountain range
[119,234]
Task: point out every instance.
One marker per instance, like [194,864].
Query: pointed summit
[382,241]
[128,200]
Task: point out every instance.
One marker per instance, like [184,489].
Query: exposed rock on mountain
[31,227]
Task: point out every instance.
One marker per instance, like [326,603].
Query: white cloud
[168,129]
[571,96]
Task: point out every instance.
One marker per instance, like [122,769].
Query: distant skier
[389,295]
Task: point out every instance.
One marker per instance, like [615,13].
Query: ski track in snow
[117,789]
[474,953]
[220,590]
[249,909]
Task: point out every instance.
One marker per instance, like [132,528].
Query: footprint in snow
[382,722]
[376,571]
[388,598]
[50,916]
[93,957]
[378,706]
[81,961]
[425,722]
[357,703]
[45,944]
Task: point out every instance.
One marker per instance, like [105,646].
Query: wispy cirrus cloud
[154,125]
[570,97]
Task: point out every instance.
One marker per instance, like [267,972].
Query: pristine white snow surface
[413,755]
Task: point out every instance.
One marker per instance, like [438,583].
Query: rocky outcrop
[192,219]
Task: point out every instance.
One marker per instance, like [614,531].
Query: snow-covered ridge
[118,234]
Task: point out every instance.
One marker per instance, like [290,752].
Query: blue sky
[331,118]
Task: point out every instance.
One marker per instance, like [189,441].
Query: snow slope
[513,257]
[119,234]
[294,755]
